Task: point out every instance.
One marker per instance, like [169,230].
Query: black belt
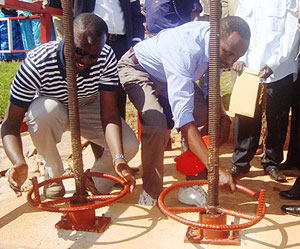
[114,37]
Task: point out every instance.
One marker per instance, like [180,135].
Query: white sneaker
[193,195]
[146,199]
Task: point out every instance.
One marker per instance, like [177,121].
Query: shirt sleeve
[109,79]
[241,13]
[25,84]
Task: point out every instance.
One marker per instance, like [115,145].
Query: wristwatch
[118,156]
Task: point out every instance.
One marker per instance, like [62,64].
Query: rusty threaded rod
[69,48]
[214,103]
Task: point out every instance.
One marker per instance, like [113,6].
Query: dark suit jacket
[132,15]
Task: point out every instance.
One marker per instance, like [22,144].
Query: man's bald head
[90,27]
[90,34]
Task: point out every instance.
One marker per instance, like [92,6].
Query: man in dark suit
[125,27]
[294,192]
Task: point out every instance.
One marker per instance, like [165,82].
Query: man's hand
[126,173]
[225,179]
[238,67]
[16,177]
[265,72]
[224,129]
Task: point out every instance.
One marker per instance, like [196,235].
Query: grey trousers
[47,120]
[144,92]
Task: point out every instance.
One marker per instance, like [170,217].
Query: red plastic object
[24,127]
[189,164]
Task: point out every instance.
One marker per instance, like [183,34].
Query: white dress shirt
[110,11]
[274,35]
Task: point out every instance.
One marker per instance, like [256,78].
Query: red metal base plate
[194,235]
[100,225]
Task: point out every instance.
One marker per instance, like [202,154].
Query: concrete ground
[141,227]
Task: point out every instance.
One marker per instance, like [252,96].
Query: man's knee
[44,112]
[154,121]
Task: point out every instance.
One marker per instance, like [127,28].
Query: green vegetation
[226,88]
[8,71]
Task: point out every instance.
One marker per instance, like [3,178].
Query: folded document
[245,92]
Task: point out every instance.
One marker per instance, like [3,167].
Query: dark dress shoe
[275,175]
[291,209]
[287,165]
[236,170]
[290,194]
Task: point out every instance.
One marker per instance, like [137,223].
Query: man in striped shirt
[39,92]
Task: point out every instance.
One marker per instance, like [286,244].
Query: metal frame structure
[9,33]
[34,7]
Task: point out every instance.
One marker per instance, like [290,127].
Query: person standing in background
[229,7]
[273,49]
[125,26]
[165,14]
[30,29]
[294,192]
[293,157]
[16,35]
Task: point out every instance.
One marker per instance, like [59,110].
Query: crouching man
[39,92]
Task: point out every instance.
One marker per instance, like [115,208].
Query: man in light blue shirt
[161,72]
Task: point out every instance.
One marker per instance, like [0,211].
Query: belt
[114,37]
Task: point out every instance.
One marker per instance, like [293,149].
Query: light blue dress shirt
[177,57]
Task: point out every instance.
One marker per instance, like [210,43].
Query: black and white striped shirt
[43,73]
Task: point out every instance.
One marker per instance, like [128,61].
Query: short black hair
[91,25]
[231,24]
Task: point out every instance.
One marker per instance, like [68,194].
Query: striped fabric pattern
[42,74]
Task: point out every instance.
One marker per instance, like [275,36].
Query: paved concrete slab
[140,227]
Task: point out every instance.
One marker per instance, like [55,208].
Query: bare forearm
[10,133]
[111,122]
[13,148]
[197,146]
[195,142]
[113,136]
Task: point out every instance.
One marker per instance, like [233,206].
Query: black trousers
[293,156]
[119,46]
[296,185]
[247,130]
